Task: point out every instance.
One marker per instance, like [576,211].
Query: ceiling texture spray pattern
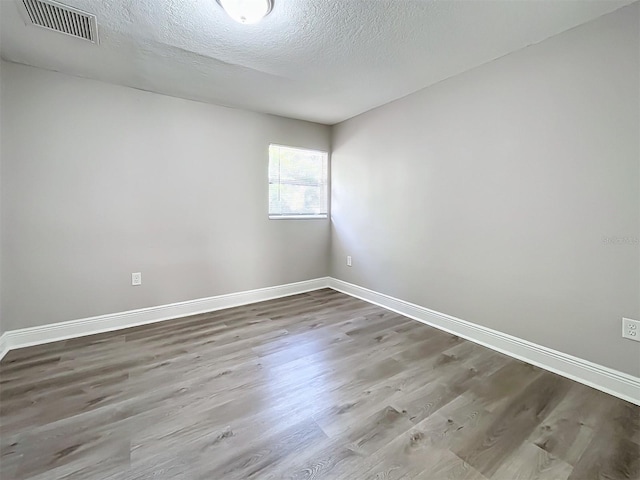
[317,60]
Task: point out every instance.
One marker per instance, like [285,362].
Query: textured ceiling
[317,60]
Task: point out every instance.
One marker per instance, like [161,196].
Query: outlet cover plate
[631,329]
[136,278]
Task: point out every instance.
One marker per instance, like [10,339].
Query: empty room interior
[313,239]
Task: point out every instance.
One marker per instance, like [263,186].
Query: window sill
[297,217]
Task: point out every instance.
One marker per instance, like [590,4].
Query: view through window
[297,182]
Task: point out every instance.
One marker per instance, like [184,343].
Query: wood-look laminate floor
[319,385]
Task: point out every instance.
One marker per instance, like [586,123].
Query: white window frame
[290,216]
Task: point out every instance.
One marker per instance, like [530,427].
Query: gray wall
[2,329]
[99,181]
[490,196]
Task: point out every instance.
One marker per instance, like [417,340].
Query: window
[297,183]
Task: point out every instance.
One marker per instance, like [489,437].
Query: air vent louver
[60,18]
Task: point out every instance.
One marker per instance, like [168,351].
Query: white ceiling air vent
[59,18]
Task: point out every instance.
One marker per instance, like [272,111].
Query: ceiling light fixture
[247,11]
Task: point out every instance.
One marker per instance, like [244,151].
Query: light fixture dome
[247,11]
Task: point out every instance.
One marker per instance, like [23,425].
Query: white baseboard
[597,376]
[4,347]
[26,337]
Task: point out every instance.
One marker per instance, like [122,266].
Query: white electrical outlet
[631,329]
[348,260]
[136,278]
